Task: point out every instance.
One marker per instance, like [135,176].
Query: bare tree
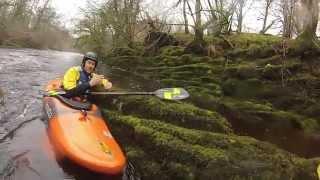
[185,16]
[131,11]
[41,12]
[186,23]
[18,17]
[115,18]
[287,9]
[267,7]
[198,25]
[241,5]
[4,6]
[122,18]
[221,16]
[20,13]
[310,22]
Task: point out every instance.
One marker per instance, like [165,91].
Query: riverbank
[247,85]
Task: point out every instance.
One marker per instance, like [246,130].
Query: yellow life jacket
[72,77]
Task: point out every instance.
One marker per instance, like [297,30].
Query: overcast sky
[69,10]
[68,7]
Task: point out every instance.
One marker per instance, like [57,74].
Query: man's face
[89,66]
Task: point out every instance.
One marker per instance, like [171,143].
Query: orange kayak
[79,133]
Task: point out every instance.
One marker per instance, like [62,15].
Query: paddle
[165,93]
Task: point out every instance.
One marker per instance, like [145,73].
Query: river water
[25,151]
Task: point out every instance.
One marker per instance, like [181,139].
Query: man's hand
[96,80]
[106,84]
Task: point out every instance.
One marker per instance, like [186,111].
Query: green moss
[245,40]
[202,93]
[261,63]
[307,124]
[253,45]
[243,88]
[186,58]
[182,114]
[123,51]
[145,166]
[150,168]
[206,155]
[217,61]
[180,83]
[170,60]
[126,62]
[249,76]
[242,71]
[153,139]
[253,52]
[199,68]
[184,38]
[172,51]
[209,79]
[180,171]
[257,51]
[312,110]
[202,67]
[307,169]
[237,52]
[202,59]
[184,75]
[267,116]
[276,72]
[215,40]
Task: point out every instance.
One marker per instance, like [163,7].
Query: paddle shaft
[165,93]
[122,93]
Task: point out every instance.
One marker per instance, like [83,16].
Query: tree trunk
[240,15]
[288,10]
[40,14]
[311,20]
[127,16]
[307,43]
[198,25]
[116,33]
[198,45]
[266,14]
[215,24]
[186,23]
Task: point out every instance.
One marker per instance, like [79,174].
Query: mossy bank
[245,80]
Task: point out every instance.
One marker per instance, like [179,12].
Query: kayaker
[79,80]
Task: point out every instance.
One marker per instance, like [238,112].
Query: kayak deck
[83,136]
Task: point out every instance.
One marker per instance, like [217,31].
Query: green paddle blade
[172,93]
